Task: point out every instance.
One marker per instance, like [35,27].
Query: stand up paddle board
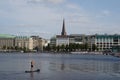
[38,70]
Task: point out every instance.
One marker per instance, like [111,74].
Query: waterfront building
[94,42]
[116,49]
[35,41]
[62,39]
[77,38]
[21,42]
[6,41]
[102,42]
[53,41]
[65,39]
[38,43]
[105,42]
[43,43]
[24,42]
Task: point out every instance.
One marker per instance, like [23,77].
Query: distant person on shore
[32,65]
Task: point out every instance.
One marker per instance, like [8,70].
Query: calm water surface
[59,67]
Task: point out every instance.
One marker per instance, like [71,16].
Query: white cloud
[56,1]
[106,13]
[40,14]
[47,1]
[73,6]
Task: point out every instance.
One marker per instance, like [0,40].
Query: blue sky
[45,17]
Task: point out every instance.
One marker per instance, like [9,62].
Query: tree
[11,47]
[77,46]
[62,47]
[54,48]
[67,48]
[16,48]
[48,48]
[86,46]
[70,47]
[94,47]
[58,48]
[4,47]
[24,49]
[8,48]
[36,48]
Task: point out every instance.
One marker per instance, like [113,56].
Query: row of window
[105,43]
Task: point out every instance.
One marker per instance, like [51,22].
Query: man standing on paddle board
[32,65]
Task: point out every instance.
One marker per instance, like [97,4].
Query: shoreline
[49,52]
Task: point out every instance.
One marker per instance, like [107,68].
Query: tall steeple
[63,33]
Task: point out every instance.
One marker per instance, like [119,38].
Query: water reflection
[84,66]
[104,67]
[62,66]
[31,76]
[116,67]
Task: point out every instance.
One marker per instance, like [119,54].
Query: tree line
[71,47]
[15,48]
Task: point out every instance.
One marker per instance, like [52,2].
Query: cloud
[56,1]
[104,13]
[73,6]
[46,1]
[40,14]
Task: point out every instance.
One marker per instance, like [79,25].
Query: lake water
[59,67]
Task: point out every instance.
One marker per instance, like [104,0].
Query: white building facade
[62,40]
[105,42]
[24,42]
[6,41]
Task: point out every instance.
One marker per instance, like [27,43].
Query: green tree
[12,47]
[70,47]
[24,49]
[67,48]
[94,47]
[54,48]
[16,48]
[4,47]
[62,47]
[8,48]
[86,46]
[48,48]
[58,48]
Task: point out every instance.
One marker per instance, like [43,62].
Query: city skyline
[45,17]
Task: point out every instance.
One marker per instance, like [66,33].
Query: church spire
[63,33]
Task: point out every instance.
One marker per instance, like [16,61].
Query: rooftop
[62,36]
[21,37]
[6,36]
[108,36]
